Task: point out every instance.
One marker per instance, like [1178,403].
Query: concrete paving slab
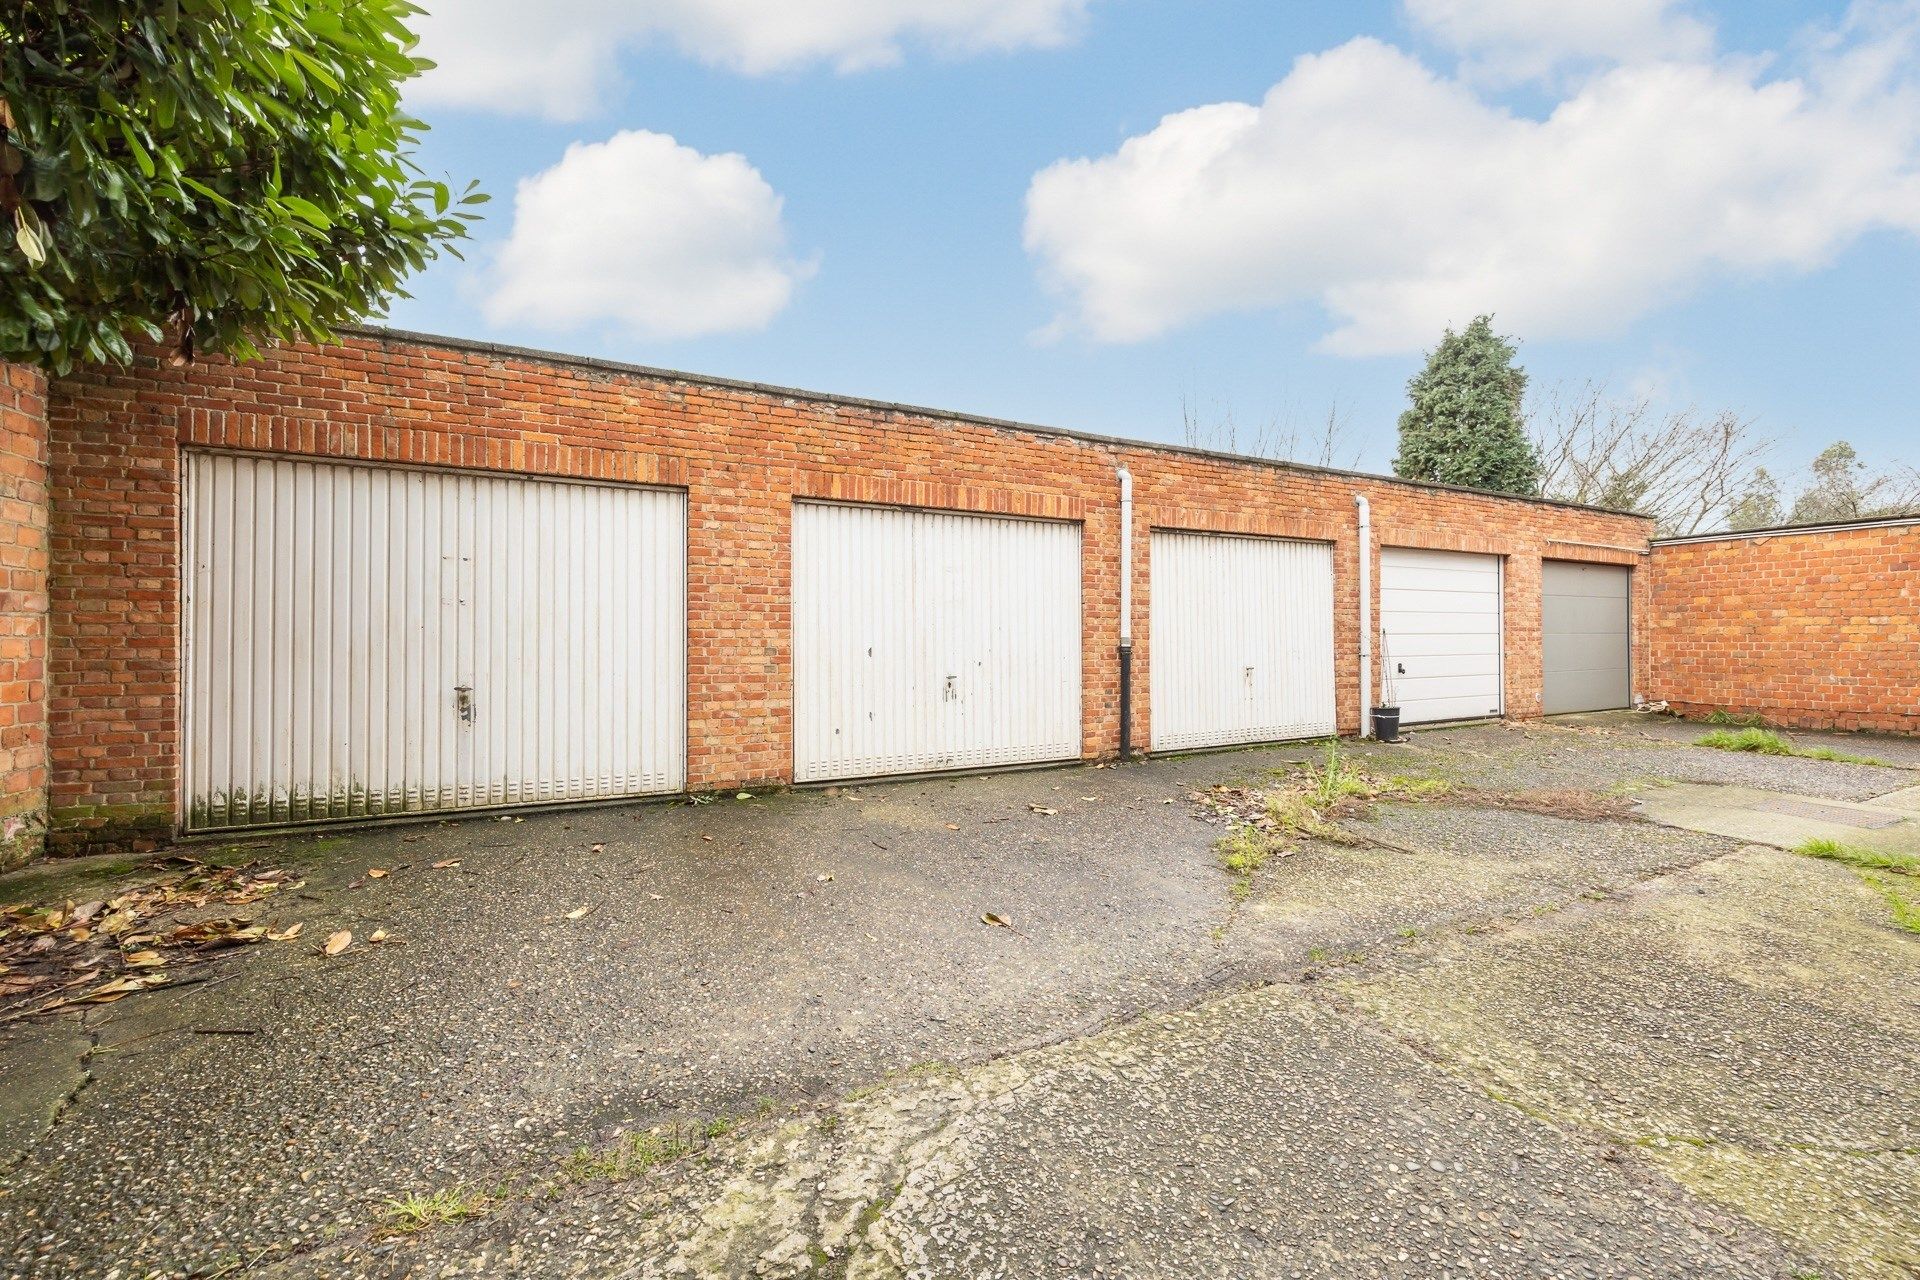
[1907,798]
[793,948]
[1260,1135]
[42,1069]
[1782,820]
[1749,1025]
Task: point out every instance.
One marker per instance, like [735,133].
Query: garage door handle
[463,702]
[1400,668]
[950,694]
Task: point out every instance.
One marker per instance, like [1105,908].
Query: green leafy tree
[1465,426]
[1758,506]
[208,173]
[1840,488]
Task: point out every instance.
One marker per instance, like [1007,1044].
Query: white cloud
[1400,200]
[646,233]
[1510,40]
[559,59]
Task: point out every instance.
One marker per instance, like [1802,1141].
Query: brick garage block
[743,454]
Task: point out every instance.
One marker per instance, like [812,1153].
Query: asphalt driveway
[1017,1025]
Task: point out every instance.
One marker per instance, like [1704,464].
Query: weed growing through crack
[635,1153]
[1868,864]
[627,1157]
[1906,910]
[408,1214]
[1305,806]
[1766,742]
[1243,851]
[1905,864]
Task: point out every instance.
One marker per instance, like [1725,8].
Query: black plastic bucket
[1386,724]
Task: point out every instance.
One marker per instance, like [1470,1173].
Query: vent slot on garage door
[364,641]
[927,640]
[1241,640]
[1440,633]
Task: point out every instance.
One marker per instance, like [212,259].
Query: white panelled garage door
[927,640]
[1242,640]
[1440,633]
[365,640]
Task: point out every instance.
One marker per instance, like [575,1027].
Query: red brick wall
[23,613]
[1809,630]
[742,455]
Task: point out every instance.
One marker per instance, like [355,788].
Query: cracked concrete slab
[1257,1135]
[1749,1025]
[1907,798]
[1783,820]
[794,948]
[41,1070]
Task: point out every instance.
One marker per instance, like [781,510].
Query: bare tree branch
[1685,469]
[1327,442]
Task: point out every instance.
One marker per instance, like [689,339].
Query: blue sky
[883,231]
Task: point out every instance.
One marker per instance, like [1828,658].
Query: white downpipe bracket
[1366,614]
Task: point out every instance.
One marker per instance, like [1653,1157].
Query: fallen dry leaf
[598,847]
[444,863]
[706,837]
[378,935]
[997,920]
[580,913]
[338,942]
[1040,808]
[287,934]
[953,826]
[376,873]
[145,959]
[824,876]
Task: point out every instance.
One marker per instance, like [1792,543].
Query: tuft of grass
[1906,910]
[1750,721]
[1768,743]
[1339,780]
[1306,806]
[1868,864]
[408,1214]
[1243,851]
[632,1155]
[1827,850]
[1843,757]
[1758,741]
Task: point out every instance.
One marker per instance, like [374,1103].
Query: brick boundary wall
[23,613]
[742,454]
[1810,629]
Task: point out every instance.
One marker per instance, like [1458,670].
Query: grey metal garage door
[1585,650]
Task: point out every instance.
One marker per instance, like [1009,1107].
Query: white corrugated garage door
[927,640]
[1440,633]
[1241,640]
[1584,647]
[367,640]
